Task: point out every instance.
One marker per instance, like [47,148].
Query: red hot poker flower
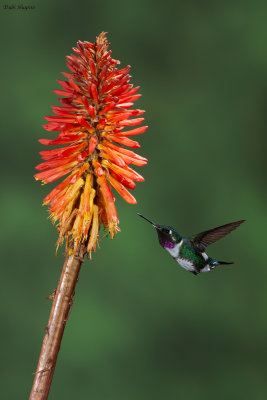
[95,108]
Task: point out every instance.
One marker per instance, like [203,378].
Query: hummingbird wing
[204,239]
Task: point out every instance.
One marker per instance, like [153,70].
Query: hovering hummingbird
[190,252]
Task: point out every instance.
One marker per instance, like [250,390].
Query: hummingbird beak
[161,235]
[152,223]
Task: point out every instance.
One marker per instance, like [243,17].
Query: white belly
[186,264]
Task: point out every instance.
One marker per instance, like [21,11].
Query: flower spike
[96,107]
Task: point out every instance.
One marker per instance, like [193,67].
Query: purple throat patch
[169,245]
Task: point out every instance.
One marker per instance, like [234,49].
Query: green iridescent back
[187,251]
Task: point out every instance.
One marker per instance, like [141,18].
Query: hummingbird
[190,252]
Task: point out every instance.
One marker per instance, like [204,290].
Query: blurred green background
[141,327]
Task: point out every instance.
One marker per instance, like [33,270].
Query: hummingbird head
[168,237]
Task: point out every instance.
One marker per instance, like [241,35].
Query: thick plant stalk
[63,299]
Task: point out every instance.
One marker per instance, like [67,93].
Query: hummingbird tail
[224,263]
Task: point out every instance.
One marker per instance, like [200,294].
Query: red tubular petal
[91,111]
[87,53]
[57,176]
[92,66]
[71,67]
[122,191]
[65,108]
[137,112]
[133,175]
[74,85]
[101,56]
[104,87]
[54,118]
[62,139]
[98,168]
[118,91]
[53,171]
[107,108]
[105,189]
[133,90]
[117,130]
[124,105]
[131,122]
[56,126]
[80,46]
[92,144]
[85,123]
[56,191]
[111,84]
[89,45]
[66,101]
[126,171]
[67,74]
[111,155]
[103,72]
[132,160]
[129,157]
[111,212]
[63,93]
[44,176]
[124,140]
[55,141]
[65,85]
[53,126]
[121,115]
[63,111]
[81,157]
[70,58]
[62,152]
[136,131]
[79,173]
[101,124]
[123,150]
[118,115]
[85,101]
[77,99]
[55,163]
[124,70]
[129,183]
[94,93]
[113,158]
[127,98]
